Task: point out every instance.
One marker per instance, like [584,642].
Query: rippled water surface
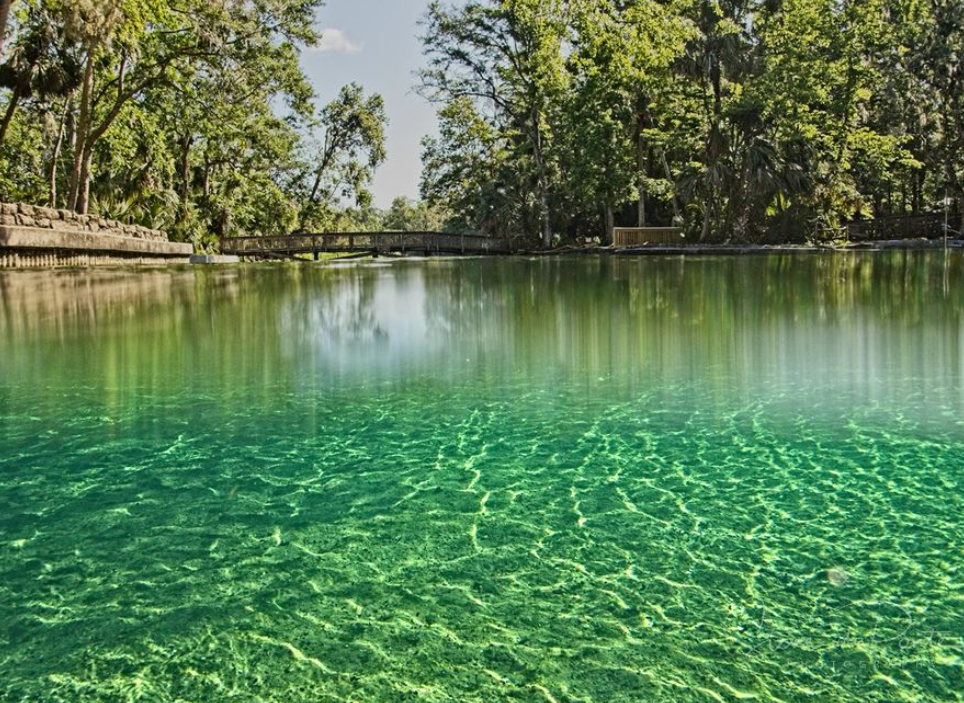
[487,480]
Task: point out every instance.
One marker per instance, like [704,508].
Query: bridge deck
[362,242]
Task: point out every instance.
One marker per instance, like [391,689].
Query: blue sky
[375,43]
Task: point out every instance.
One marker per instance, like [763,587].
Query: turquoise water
[488,480]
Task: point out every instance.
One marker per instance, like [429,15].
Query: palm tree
[721,52]
[38,65]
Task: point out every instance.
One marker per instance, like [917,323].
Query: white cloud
[336,41]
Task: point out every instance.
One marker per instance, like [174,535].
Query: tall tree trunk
[543,182]
[8,115]
[677,215]
[70,142]
[82,136]
[546,221]
[331,149]
[918,190]
[707,219]
[83,192]
[4,16]
[642,163]
[91,134]
[55,154]
[960,207]
[610,224]
[206,177]
[713,149]
[186,142]
[88,135]
[712,153]
[315,187]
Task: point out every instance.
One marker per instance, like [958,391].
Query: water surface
[568,480]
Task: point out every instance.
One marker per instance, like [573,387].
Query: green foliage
[342,161]
[738,119]
[741,119]
[408,216]
[465,169]
[506,58]
[191,116]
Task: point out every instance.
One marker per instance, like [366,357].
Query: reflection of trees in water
[116,335]
[60,304]
[710,320]
[468,306]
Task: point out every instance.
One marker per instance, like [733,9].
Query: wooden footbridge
[376,243]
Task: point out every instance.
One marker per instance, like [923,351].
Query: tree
[225,156]
[345,157]
[507,57]
[192,116]
[139,44]
[38,66]
[466,171]
[937,60]
[621,67]
[737,119]
[408,216]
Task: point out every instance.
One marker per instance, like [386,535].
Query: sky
[375,43]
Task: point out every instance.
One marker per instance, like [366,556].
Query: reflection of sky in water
[376,323]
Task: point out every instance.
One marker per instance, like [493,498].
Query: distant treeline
[737,119]
[193,116]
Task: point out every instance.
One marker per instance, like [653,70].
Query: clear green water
[500,480]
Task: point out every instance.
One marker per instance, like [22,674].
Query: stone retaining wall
[21,215]
[35,259]
[39,237]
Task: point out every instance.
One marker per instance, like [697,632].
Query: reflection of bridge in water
[424,243]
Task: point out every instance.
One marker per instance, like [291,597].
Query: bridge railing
[317,243]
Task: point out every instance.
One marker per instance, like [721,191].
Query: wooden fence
[626,237]
[896,228]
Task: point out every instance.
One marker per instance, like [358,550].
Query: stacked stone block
[22,215]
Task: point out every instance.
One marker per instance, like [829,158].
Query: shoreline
[690,250]
[755,249]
